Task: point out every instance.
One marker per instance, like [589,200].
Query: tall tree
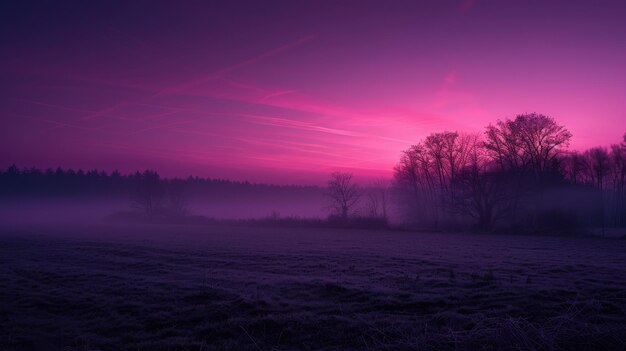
[599,165]
[530,142]
[430,170]
[378,199]
[483,194]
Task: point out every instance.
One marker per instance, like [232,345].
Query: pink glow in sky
[288,91]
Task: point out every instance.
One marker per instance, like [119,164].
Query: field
[114,287]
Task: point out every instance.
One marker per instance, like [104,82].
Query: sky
[288,91]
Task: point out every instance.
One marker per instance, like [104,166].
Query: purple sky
[290,91]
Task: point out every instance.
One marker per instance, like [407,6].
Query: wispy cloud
[164,125]
[277,94]
[289,123]
[219,74]
[59,123]
[54,106]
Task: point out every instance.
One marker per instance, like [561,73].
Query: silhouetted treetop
[530,142]
[505,176]
[343,193]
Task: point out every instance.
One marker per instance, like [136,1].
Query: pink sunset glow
[289,92]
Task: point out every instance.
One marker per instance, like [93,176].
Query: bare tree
[530,142]
[604,170]
[574,167]
[413,173]
[343,193]
[484,194]
[618,183]
[503,145]
[417,183]
[430,169]
[378,199]
[599,165]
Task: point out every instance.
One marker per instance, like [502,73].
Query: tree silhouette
[599,165]
[343,193]
[531,142]
[484,193]
[430,170]
[378,200]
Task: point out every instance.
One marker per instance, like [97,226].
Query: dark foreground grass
[222,288]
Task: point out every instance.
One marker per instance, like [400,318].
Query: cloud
[58,124]
[219,74]
[55,106]
[165,125]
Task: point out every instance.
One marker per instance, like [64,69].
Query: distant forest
[37,183]
[152,195]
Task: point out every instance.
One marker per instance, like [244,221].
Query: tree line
[146,191]
[518,173]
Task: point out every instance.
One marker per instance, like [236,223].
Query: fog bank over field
[306,205]
[519,176]
[94,210]
[62,195]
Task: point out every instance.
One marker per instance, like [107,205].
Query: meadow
[185,287]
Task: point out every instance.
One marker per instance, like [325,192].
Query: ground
[141,287]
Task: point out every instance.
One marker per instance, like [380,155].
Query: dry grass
[193,288]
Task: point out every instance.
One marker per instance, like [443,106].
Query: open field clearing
[113,287]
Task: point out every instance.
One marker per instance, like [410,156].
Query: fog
[95,210]
[57,211]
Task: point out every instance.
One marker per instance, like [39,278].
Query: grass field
[114,287]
